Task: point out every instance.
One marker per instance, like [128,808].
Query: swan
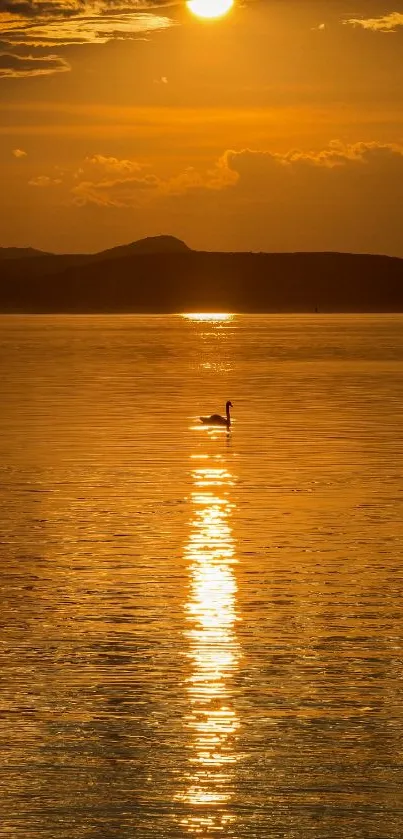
[216,419]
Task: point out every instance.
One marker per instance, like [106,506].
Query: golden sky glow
[277,127]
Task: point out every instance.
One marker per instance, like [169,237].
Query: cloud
[319,177]
[19,153]
[17,66]
[110,181]
[41,8]
[336,156]
[387,23]
[113,164]
[123,192]
[33,24]
[69,8]
[47,24]
[258,173]
[134,185]
[44,181]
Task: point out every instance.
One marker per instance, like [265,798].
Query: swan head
[228,405]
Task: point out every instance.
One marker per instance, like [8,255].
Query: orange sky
[276,127]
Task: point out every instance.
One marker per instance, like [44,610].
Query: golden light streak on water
[211,616]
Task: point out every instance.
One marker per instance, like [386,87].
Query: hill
[19,253]
[149,245]
[136,278]
[54,263]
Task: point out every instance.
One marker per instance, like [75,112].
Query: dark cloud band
[16,66]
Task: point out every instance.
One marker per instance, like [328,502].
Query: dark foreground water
[201,633]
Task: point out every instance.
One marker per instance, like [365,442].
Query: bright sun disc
[209,8]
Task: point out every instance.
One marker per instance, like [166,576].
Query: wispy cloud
[17,66]
[112,182]
[19,153]
[44,181]
[133,184]
[112,165]
[46,24]
[386,23]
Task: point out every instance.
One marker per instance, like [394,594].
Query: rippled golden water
[201,631]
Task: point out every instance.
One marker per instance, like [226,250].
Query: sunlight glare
[209,8]
[207,316]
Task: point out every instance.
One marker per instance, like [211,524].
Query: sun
[209,8]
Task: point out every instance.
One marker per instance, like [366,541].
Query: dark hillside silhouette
[180,279]
[18,253]
[151,244]
[52,263]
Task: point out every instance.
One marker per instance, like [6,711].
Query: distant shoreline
[126,313]
[133,281]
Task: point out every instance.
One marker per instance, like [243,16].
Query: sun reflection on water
[207,316]
[214,653]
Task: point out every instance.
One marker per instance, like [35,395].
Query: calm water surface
[201,632]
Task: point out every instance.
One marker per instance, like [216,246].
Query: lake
[201,632]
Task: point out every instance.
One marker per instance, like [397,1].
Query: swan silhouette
[216,419]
